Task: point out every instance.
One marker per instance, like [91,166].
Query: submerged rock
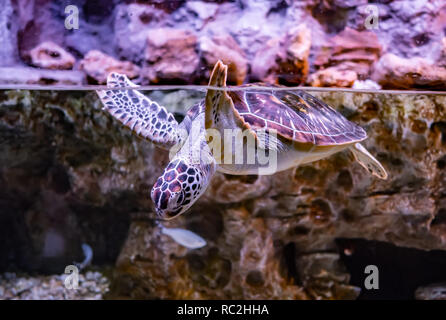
[72,175]
[92,285]
[324,277]
[268,238]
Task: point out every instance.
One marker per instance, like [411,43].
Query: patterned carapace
[295,115]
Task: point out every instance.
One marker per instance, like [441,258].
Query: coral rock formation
[225,48]
[268,237]
[284,59]
[288,42]
[48,55]
[393,72]
[98,65]
[348,56]
[170,54]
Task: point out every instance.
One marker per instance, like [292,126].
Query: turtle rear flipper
[142,115]
[366,160]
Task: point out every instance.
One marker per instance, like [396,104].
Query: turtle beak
[169,213]
[159,212]
[163,214]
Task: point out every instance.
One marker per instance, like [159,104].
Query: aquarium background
[71,175]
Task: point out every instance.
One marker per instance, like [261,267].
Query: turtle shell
[296,115]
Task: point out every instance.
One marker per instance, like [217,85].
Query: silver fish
[88,254]
[184,237]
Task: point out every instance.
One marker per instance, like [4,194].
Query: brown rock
[170,55]
[225,48]
[49,55]
[133,22]
[230,189]
[258,273]
[284,59]
[348,56]
[393,72]
[204,10]
[8,34]
[324,276]
[68,168]
[442,58]
[303,211]
[167,6]
[350,45]
[261,247]
[333,77]
[249,269]
[98,65]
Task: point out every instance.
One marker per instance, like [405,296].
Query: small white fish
[184,237]
[88,257]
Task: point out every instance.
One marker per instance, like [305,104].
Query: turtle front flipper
[142,115]
[369,162]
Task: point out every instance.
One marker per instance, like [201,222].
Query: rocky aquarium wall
[72,177]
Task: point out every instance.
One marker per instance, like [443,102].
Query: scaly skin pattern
[187,176]
[140,114]
[177,188]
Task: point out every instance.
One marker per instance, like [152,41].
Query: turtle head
[177,189]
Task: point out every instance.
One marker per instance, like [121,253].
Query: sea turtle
[297,127]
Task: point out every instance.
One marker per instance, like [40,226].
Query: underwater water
[91,210]
[76,187]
